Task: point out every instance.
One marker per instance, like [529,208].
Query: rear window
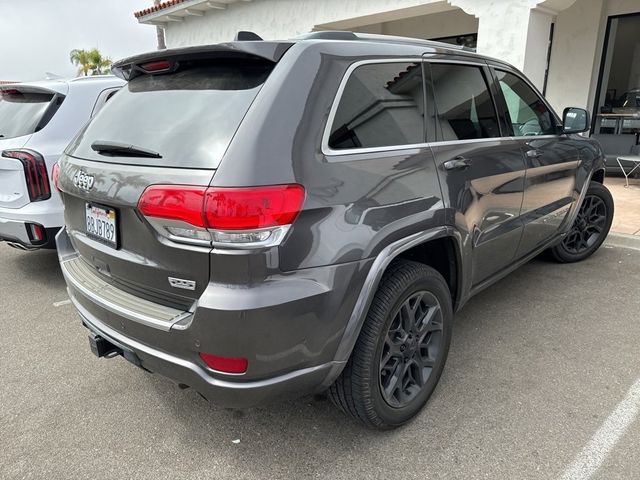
[188,117]
[21,112]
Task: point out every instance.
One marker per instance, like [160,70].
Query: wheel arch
[423,247]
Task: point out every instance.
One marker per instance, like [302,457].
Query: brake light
[35,172]
[244,217]
[55,175]
[225,364]
[154,67]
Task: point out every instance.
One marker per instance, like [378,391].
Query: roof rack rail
[371,37]
[245,36]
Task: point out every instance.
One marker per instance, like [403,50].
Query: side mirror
[575,120]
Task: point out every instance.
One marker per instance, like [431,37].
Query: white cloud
[36,36]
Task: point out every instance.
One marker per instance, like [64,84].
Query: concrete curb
[623,240]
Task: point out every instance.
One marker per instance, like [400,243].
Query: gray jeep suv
[258,219]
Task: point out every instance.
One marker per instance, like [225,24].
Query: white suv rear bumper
[14,221]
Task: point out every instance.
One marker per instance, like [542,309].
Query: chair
[634,158]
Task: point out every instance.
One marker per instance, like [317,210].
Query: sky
[36,36]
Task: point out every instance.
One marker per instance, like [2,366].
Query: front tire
[402,348]
[590,227]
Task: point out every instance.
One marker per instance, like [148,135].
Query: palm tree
[90,61]
[99,64]
[81,59]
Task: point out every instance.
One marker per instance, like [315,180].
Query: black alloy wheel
[411,348]
[590,227]
[401,350]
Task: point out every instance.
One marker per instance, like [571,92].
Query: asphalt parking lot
[540,368]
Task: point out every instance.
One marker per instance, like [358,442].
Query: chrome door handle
[534,153]
[458,163]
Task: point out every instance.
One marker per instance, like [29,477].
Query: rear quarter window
[189,117]
[382,105]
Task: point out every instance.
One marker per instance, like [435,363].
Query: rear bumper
[224,393]
[288,328]
[14,223]
[16,233]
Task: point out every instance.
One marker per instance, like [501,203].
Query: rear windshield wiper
[105,147]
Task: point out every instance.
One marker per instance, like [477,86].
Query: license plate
[101,224]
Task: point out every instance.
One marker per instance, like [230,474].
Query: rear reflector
[35,172]
[218,208]
[225,364]
[36,233]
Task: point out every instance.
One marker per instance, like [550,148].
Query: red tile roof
[157,8]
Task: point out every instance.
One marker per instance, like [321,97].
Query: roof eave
[184,10]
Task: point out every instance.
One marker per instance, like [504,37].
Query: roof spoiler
[129,68]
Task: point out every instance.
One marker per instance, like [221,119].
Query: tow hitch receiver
[102,347]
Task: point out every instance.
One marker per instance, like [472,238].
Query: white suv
[37,121]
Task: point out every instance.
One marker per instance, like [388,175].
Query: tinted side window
[528,113]
[464,104]
[382,105]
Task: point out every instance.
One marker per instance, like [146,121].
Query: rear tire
[402,348]
[590,227]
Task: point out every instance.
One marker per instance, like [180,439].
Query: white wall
[437,25]
[503,27]
[621,7]
[575,55]
[537,48]
[277,19]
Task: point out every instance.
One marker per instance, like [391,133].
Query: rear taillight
[55,175]
[35,172]
[253,208]
[235,217]
[176,202]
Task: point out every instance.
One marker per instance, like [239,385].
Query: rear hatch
[24,110]
[170,125]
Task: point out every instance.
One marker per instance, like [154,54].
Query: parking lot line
[596,451]
[61,303]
